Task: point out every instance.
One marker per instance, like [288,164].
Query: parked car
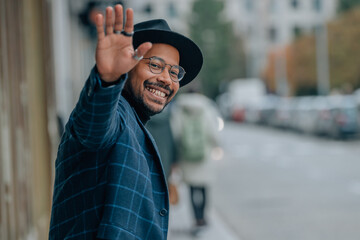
[225,102]
[305,115]
[283,110]
[345,116]
[252,113]
[357,100]
[323,116]
[267,110]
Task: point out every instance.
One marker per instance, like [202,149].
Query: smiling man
[152,90]
[109,182]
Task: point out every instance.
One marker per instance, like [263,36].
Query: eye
[174,73]
[155,65]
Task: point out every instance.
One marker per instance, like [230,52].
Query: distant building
[175,12]
[264,24]
[267,24]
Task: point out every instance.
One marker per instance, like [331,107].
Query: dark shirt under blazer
[109,183]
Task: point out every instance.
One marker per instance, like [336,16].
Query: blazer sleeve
[95,119]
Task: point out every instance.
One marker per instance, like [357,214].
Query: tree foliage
[344,58]
[222,50]
[346,5]
[344,50]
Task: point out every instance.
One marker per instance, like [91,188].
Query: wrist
[108,84]
[107,79]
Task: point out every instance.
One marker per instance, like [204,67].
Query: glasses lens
[177,73]
[156,65]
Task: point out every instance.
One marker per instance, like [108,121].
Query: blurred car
[238,113]
[267,109]
[225,102]
[357,100]
[323,115]
[283,110]
[345,116]
[252,113]
[304,119]
[239,94]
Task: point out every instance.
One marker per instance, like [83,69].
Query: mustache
[165,87]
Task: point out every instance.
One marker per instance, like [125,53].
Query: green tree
[344,50]
[222,50]
[344,57]
[346,5]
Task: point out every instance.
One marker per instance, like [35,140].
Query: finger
[109,21]
[99,21]
[129,24]
[143,48]
[118,17]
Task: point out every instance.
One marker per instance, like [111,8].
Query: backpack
[193,138]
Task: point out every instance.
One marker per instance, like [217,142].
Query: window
[273,6]
[148,8]
[317,4]
[297,31]
[272,34]
[295,4]
[249,5]
[172,10]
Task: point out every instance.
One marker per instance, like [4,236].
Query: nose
[164,77]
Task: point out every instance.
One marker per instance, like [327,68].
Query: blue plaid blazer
[109,182]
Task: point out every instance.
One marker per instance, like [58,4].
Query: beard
[145,108]
[142,108]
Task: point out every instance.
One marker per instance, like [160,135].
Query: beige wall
[27,119]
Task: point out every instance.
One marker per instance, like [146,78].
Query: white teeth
[157,92]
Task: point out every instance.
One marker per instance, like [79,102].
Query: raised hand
[114,51]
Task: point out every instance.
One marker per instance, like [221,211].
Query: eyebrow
[165,61]
[158,58]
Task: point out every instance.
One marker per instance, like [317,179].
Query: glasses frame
[165,64]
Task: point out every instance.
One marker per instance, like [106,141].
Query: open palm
[114,52]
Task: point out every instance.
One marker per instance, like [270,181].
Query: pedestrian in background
[195,126]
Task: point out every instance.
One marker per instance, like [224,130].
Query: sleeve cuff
[104,84]
[95,83]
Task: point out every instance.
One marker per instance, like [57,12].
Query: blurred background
[285,75]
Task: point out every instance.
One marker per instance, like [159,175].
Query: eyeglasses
[157,66]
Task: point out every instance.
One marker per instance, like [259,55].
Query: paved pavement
[181,222]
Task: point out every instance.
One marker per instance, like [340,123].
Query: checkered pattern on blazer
[109,182]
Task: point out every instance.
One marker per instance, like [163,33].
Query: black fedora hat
[158,31]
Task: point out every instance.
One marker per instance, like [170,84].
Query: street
[279,185]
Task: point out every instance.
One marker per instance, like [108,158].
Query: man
[109,182]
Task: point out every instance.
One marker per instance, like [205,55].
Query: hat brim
[191,58]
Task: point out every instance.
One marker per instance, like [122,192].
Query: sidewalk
[181,221]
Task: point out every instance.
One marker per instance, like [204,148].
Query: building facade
[175,12]
[264,25]
[269,24]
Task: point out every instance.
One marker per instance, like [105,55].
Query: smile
[157,92]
